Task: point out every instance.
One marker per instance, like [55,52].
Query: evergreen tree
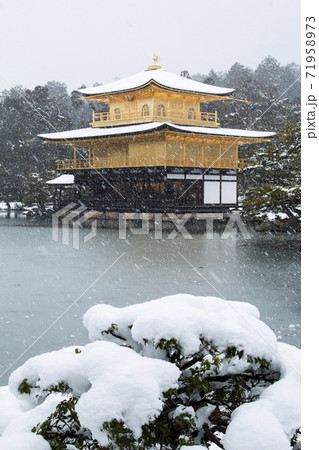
[9,188]
[272,92]
[269,72]
[214,78]
[36,192]
[274,180]
[237,75]
[24,114]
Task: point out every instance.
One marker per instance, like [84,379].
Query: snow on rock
[130,392]
[23,441]
[254,427]
[227,323]
[49,369]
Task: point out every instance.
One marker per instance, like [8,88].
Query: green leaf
[24,387]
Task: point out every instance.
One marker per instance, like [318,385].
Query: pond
[47,286]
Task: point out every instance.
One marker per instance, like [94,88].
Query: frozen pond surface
[41,279]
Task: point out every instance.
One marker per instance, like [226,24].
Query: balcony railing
[109,163]
[104,119]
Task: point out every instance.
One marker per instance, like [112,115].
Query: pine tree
[212,378]
[37,193]
[274,180]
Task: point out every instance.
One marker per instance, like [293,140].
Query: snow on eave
[62,179]
[225,132]
[96,133]
[159,77]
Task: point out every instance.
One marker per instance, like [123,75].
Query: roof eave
[170,127]
[156,83]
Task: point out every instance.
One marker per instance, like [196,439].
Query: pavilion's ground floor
[157,189]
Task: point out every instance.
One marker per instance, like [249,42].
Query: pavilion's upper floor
[155,95]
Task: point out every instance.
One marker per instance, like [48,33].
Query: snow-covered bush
[174,373]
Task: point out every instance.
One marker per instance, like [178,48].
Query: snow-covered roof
[94,133]
[164,79]
[63,179]
[223,131]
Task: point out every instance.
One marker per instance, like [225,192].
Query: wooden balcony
[107,119]
[109,163]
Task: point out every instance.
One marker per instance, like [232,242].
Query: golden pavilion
[154,149]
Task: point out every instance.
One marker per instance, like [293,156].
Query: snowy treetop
[227,323]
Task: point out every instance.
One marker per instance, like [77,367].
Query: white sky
[81,41]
